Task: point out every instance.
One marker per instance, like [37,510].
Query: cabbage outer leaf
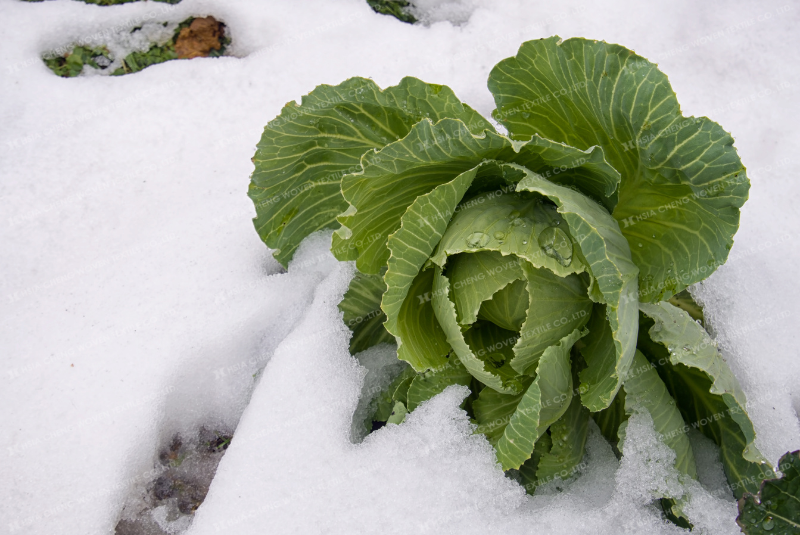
[428,384]
[305,151]
[644,390]
[707,392]
[361,308]
[386,399]
[682,181]
[777,509]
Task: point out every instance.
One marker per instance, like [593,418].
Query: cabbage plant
[543,266]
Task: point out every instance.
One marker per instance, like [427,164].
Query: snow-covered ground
[138,301]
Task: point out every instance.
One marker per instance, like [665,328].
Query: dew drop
[640,245]
[477,239]
[499,235]
[524,242]
[514,214]
[557,245]
[768,524]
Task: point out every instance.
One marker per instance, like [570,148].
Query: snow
[137,300]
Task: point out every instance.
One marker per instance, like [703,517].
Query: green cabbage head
[543,268]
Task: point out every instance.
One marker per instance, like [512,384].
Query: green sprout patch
[395,8]
[71,64]
[194,37]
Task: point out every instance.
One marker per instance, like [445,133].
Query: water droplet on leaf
[768,524]
[557,245]
[477,239]
[640,245]
[499,235]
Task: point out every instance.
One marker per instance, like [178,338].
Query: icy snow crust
[137,300]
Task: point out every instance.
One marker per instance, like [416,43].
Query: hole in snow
[166,503]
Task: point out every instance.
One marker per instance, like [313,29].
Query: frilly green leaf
[707,392]
[682,180]
[305,151]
